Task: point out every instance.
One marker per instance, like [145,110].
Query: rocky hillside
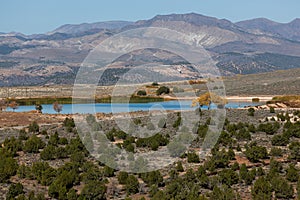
[247,47]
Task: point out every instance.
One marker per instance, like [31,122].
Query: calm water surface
[123,107]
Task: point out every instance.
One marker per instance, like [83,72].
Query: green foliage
[94,190]
[272,110]
[33,144]
[192,157]
[77,157]
[121,135]
[282,188]
[254,153]
[54,139]
[48,153]
[261,189]
[69,124]
[294,151]
[108,171]
[43,173]
[132,185]
[152,142]
[177,123]
[223,193]
[251,111]
[62,183]
[228,177]
[122,177]
[152,178]
[14,190]
[292,173]
[23,135]
[243,134]
[179,166]
[110,136]
[12,145]
[130,148]
[72,195]
[280,140]
[162,90]
[269,128]
[275,151]
[34,127]
[141,93]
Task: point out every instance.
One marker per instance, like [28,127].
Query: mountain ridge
[250,46]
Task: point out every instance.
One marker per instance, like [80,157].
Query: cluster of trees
[219,174]
[153,142]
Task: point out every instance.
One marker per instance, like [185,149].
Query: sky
[40,16]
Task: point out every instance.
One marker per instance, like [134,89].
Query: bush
[256,100]
[163,90]
[141,93]
[132,185]
[254,153]
[179,166]
[152,178]
[251,112]
[272,110]
[275,151]
[269,128]
[282,189]
[33,144]
[292,174]
[228,177]
[34,127]
[14,190]
[152,142]
[94,190]
[122,177]
[280,140]
[193,158]
[48,153]
[295,151]
[261,189]
[8,168]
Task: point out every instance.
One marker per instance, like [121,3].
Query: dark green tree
[132,185]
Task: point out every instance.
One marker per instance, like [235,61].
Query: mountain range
[246,47]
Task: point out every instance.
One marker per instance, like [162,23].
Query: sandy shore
[229,98]
[248,98]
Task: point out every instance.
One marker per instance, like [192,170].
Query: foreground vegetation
[254,159]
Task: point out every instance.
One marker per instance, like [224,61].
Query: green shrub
[141,93]
[34,127]
[163,90]
[193,158]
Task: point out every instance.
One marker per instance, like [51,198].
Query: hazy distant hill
[264,26]
[252,46]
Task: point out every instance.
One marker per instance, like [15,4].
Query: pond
[123,107]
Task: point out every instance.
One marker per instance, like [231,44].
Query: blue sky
[39,16]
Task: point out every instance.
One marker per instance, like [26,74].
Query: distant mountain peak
[85,27]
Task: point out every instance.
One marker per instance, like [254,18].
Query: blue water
[123,107]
